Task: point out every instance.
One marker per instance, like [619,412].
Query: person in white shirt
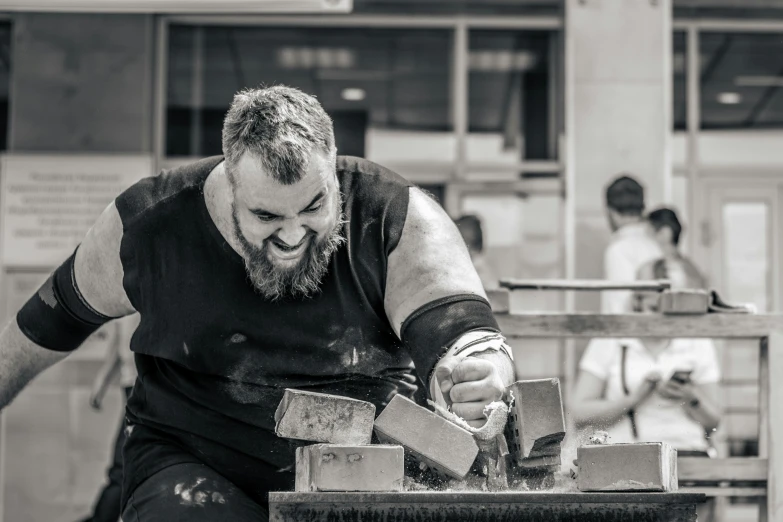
[683,273]
[632,243]
[649,390]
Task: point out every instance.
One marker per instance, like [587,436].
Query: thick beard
[299,282]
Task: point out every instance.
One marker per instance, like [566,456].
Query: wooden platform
[484,507]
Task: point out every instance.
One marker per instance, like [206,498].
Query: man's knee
[190,492]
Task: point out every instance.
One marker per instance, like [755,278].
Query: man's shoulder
[361,173]
[151,192]
[376,201]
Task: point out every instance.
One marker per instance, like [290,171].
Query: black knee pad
[57,317]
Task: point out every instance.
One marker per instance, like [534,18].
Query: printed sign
[49,202]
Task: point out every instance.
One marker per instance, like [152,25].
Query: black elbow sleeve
[57,317]
[429,331]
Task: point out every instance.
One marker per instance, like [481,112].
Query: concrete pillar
[81,83]
[618,103]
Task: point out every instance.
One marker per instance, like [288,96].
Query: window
[514,111]
[387,90]
[679,82]
[5,81]
[741,77]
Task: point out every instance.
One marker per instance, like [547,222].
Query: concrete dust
[475,483]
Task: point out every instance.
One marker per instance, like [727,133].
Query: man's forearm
[20,361]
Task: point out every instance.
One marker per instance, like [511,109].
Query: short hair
[625,195]
[666,217]
[280,126]
[469,226]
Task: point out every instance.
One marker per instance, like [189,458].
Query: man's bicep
[430,262]
[98,271]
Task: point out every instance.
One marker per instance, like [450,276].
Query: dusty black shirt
[214,356]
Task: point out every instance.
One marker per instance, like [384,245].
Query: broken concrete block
[326,418]
[649,466]
[335,467]
[428,437]
[684,302]
[550,462]
[536,423]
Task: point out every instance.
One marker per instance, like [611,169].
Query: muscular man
[276,265]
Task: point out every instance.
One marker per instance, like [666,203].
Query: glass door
[741,255]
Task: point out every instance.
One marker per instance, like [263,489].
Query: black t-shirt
[214,357]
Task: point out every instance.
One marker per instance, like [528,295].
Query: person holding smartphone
[650,390]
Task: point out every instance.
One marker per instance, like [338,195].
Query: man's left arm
[435,301]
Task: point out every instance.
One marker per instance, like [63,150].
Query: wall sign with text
[49,202]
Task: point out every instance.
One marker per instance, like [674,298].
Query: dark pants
[107,508]
[190,492]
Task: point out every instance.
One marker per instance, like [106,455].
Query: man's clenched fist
[468,385]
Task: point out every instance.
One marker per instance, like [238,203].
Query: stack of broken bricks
[521,450]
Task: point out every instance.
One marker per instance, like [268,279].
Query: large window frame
[694,170]
[454,175]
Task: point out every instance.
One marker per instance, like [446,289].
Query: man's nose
[292,232]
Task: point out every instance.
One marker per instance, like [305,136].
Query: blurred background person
[632,243]
[118,362]
[682,272]
[650,390]
[470,227]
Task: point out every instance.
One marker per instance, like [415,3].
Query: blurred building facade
[490,105]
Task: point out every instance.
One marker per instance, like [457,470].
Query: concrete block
[320,417]
[683,302]
[649,466]
[333,467]
[550,462]
[428,437]
[536,423]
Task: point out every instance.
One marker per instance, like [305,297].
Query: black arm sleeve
[429,331]
[57,317]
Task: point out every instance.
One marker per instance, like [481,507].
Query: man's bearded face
[287,233]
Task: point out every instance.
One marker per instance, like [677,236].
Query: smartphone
[682,376]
